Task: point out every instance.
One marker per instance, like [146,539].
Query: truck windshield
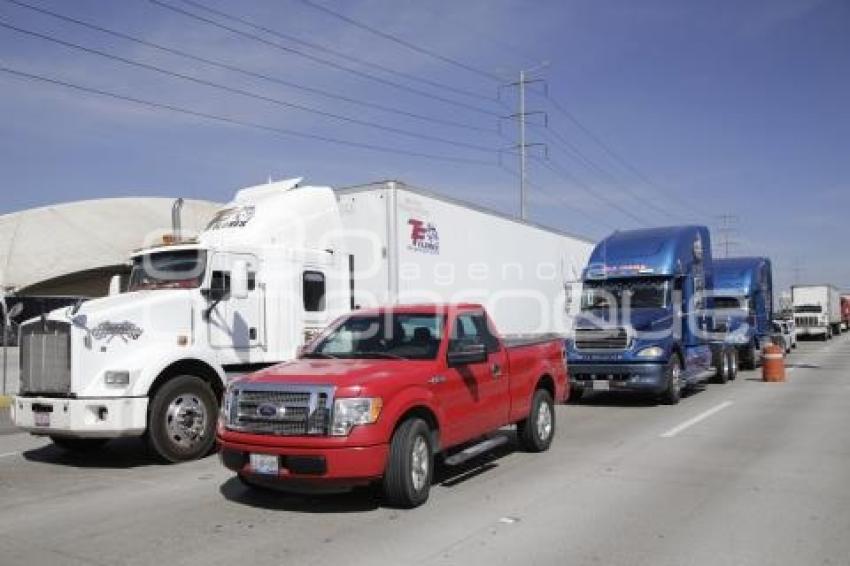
[626,293]
[732,302]
[807,308]
[178,269]
[390,336]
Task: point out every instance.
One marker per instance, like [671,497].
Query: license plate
[601,385]
[41,419]
[265,464]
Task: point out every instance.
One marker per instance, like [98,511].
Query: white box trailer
[272,268]
[817,310]
[416,246]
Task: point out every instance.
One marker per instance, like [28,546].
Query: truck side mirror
[219,288]
[239,280]
[467,354]
[114,285]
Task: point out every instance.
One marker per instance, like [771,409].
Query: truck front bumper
[309,468]
[83,418]
[811,330]
[639,377]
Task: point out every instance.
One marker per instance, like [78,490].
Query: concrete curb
[5,401]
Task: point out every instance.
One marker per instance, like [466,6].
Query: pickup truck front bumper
[311,468]
[84,418]
[639,377]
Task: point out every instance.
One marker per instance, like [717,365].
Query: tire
[673,394]
[733,364]
[723,367]
[536,432]
[73,444]
[182,419]
[749,358]
[410,465]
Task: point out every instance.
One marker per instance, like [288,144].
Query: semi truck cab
[252,288]
[646,323]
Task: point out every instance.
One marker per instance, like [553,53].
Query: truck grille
[46,357]
[282,412]
[806,321]
[601,339]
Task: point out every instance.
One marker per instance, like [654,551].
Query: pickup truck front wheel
[535,433]
[410,465]
[181,420]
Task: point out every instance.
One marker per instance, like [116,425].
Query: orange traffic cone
[773,363]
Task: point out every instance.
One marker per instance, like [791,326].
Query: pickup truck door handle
[497,371]
[437,379]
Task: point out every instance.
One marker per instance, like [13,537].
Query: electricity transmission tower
[726,232]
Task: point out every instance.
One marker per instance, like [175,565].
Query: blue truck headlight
[349,412]
[651,352]
[117,377]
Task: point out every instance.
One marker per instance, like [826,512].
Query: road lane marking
[691,422]
[7,454]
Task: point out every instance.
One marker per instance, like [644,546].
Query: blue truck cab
[646,321]
[743,303]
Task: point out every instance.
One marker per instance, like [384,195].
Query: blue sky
[736,108]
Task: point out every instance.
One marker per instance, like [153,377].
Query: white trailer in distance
[272,268]
[817,310]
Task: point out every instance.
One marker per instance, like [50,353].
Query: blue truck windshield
[626,293]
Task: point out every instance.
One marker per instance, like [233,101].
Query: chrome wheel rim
[420,462]
[733,367]
[676,383]
[544,421]
[726,367]
[186,420]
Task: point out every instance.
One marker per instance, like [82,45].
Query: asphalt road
[739,474]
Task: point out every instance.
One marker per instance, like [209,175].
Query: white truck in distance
[272,268]
[817,310]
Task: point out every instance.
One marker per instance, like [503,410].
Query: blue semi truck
[743,303]
[646,321]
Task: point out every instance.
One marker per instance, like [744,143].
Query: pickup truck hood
[638,319]
[341,373]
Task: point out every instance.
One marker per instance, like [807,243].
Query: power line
[595,194]
[249,94]
[400,41]
[243,123]
[315,59]
[616,156]
[726,231]
[249,73]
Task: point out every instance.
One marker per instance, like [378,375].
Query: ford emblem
[267,410]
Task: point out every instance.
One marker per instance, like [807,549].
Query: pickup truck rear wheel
[78,444]
[410,465]
[535,433]
[181,419]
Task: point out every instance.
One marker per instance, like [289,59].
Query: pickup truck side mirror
[467,354]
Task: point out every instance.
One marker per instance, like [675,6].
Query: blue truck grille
[601,339]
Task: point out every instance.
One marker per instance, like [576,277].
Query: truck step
[476,450]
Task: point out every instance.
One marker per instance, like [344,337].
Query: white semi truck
[817,310]
[271,269]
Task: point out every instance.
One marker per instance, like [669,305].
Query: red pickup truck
[381,392]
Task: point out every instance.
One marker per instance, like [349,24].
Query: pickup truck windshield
[807,308]
[178,269]
[390,336]
[632,293]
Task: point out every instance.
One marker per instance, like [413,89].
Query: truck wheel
[535,433]
[181,419]
[749,357]
[673,393]
[723,367]
[733,364]
[410,465]
[78,444]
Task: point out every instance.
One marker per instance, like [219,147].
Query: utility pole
[726,230]
[522,121]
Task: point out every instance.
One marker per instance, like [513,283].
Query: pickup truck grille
[282,411]
[806,321]
[45,358]
[601,339]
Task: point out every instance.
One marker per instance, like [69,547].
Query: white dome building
[73,249]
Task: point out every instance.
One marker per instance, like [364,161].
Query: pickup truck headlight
[651,352]
[349,412]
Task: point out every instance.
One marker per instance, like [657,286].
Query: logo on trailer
[423,237]
[236,217]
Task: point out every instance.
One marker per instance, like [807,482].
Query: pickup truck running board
[475,450]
